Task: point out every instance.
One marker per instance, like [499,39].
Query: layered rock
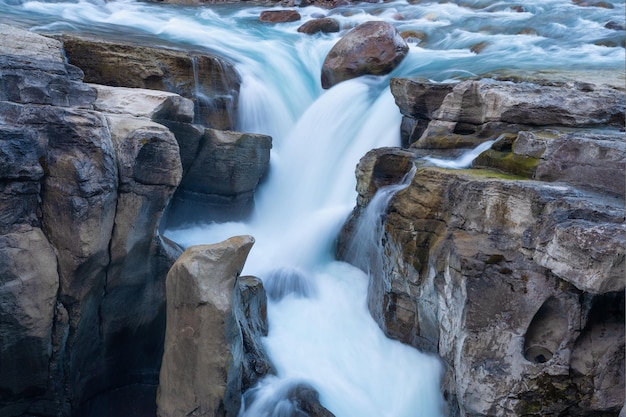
[513,274]
[210,81]
[456,115]
[371,48]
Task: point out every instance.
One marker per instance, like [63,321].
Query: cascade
[320,331]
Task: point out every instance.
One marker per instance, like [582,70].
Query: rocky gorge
[511,271]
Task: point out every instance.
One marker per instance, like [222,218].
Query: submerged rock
[372,48]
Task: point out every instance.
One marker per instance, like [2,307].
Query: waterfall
[464,160]
[364,248]
[320,331]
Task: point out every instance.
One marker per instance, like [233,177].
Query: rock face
[372,48]
[211,82]
[512,273]
[84,189]
[201,326]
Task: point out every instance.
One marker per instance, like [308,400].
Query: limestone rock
[321,25]
[372,48]
[199,306]
[279,16]
[28,291]
[127,65]
[81,196]
[248,326]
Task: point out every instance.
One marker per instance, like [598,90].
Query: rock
[289,398]
[81,198]
[321,25]
[33,70]
[28,291]
[473,109]
[279,16]
[224,192]
[414,36]
[138,102]
[586,160]
[245,333]
[127,65]
[371,48]
[457,240]
[199,307]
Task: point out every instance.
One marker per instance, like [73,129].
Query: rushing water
[320,330]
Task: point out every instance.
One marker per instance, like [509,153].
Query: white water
[463,161]
[320,329]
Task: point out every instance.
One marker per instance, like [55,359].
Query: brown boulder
[279,16]
[372,48]
[321,25]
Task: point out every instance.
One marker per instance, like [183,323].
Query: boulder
[321,25]
[211,82]
[371,48]
[197,355]
[279,16]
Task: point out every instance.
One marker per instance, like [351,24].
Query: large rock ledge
[87,171]
[513,273]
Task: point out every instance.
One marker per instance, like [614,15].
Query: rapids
[320,330]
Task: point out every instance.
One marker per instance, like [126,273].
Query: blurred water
[320,330]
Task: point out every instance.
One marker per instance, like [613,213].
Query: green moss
[488,173]
[509,162]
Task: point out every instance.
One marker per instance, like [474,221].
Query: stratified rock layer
[211,82]
[513,274]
